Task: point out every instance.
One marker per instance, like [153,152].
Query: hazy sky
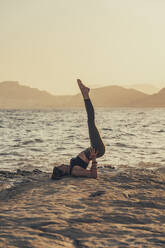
[49,43]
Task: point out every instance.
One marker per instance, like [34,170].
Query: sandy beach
[122,208]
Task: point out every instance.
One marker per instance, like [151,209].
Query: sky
[47,44]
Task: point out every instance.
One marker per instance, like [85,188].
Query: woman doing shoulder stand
[78,165]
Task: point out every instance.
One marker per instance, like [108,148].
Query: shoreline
[119,209]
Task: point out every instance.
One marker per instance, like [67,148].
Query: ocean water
[42,138]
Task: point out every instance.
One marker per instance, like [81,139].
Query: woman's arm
[94,168]
[78,171]
[93,154]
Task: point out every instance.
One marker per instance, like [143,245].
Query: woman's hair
[57,173]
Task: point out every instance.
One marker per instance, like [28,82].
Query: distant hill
[155,100]
[16,96]
[115,96]
[145,88]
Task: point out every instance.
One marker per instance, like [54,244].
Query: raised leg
[95,139]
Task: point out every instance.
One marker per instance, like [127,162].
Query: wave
[140,113]
[107,129]
[11,153]
[128,134]
[36,150]
[60,148]
[124,145]
[39,140]
[27,142]
[161,131]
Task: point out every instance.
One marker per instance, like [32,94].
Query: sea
[40,139]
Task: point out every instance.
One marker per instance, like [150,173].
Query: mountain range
[16,96]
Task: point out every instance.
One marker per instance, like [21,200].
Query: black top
[77,161]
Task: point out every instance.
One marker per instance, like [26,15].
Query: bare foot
[84,90]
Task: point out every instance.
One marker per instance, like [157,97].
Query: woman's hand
[93,153]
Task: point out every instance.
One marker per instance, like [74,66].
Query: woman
[78,165]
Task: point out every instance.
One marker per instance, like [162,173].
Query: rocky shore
[122,208]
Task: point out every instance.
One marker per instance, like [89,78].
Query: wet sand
[122,208]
